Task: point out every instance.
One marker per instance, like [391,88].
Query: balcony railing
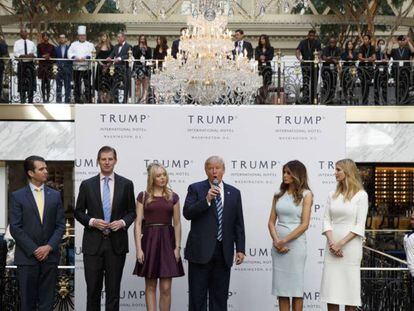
[284,82]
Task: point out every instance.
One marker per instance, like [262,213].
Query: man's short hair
[214,159]
[312,31]
[106,149]
[29,165]
[401,38]
[240,31]
[182,29]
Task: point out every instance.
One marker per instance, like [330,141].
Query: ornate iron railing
[284,82]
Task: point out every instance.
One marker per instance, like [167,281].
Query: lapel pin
[228,192]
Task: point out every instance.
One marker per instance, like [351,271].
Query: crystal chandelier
[205,71]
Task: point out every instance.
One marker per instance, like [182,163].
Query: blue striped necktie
[106,200]
[219,205]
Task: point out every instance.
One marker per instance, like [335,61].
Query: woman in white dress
[291,208]
[344,228]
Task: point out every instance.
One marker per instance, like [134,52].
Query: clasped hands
[336,248]
[42,252]
[280,246]
[102,224]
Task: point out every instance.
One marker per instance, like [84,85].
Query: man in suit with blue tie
[119,56]
[106,208]
[37,223]
[64,75]
[217,227]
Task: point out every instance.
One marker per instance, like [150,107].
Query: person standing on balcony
[264,54]
[25,50]
[46,51]
[80,51]
[305,53]
[175,48]
[381,74]
[344,229]
[4,53]
[142,52]
[330,56]
[241,46]
[401,68]
[348,75]
[37,224]
[367,57]
[64,74]
[409,247]
[120,55]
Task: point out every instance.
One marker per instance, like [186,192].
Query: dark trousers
[26,76]
[37,285]
[46,90]
[63,78]
[1,84]
[122,80]
[212,278]
[84,76]
[381,85]
[310,76]
[365,76]
[105,264]
[401,75]
[329,79]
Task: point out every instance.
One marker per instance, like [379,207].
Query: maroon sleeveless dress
[158,241]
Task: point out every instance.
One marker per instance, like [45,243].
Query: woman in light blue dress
[291,209]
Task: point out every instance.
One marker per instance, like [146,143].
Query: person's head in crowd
[402,41]
[311,34]
[214,168]
[381,45]
[183,30]
[264,41]
[45,37]
[82,33]
[239,35]
[103,41]
[162,43]
[120,38]
[142,40]
[35,169]
[332,42]
[295,178]
[107,159]
[158,178]
[23,33]
[349,46]
[366,39]
[348,179]
[62,39]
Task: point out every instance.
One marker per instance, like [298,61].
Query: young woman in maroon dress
[47,51]
[158,238]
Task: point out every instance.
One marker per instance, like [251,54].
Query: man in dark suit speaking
[37,223]
[215,211]
[106,207]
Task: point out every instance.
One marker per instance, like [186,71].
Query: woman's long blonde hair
[300,179]
[352,182]
[152,170]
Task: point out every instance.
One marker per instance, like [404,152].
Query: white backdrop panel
[254,141]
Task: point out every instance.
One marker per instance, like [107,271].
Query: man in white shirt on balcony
[25,50]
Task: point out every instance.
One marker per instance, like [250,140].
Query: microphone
[215,182]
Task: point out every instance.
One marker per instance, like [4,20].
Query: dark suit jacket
[65,65]
[27,230]
[247,46]
[89,205]
[202,238]
[174,48]
[123,54]
[3,53]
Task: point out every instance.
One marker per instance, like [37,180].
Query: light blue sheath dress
[288,269]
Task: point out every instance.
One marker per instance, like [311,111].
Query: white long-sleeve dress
[341,278]
[409,251]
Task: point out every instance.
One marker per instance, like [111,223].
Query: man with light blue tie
[106,208]
[64,74]
[217,228]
